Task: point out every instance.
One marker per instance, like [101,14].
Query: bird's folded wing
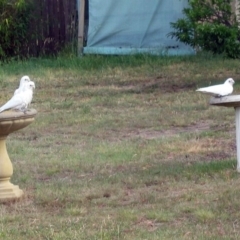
[15,102]
[212,89]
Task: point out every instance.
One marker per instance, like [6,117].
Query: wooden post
[237,116]
[237,9]
[81,13]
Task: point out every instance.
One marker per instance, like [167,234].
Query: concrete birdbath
[11,121]
[234,102]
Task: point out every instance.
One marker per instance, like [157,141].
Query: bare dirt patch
[155,134]
[161,84]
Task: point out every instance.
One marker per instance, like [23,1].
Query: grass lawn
[123,147]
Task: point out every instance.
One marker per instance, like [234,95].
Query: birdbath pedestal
[231,101]
[11,121]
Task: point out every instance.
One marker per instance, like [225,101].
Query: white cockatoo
[20,100]
[29,96]
[23,80]
[219,90]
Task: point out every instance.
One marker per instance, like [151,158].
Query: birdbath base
[10,121]
[9,191]
[234,102]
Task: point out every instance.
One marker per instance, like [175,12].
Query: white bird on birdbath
[20,100]
[219,90]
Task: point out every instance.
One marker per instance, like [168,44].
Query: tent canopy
[136,26]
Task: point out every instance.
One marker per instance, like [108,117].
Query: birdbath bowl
[11,121]
[231,101]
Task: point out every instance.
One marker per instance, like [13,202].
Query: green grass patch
[123,148]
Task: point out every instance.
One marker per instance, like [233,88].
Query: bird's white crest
[229,81]
[28,85]
[23,80]
[219,90]
[22,99]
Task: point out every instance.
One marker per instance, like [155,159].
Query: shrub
[14,23]
[209,25]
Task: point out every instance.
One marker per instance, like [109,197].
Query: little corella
[219,90]
[21,100]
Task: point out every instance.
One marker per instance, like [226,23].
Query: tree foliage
[210,25]
[14,23]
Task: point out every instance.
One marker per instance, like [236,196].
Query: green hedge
[209,25]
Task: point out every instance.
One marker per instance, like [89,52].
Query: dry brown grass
[123,148]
